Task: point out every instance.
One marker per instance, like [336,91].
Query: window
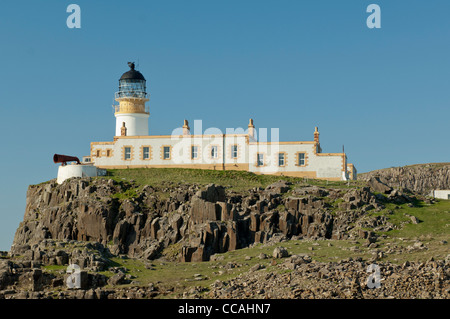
[301,159]
[234,151]
[99,153]
[166,152]
[260,159]
[194,152]
[108,153]
[127,153]
[146,153]
[281,159]
[214,153]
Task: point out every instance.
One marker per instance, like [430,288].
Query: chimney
[123,130]
[251,128]
[316,135]
[186,128]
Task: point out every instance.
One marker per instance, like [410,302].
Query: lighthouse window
[127,153]
[234,151]
[214,152]
[281,159]
[260,159]
[145,152]
[194,152]
[301,159]
[166,152]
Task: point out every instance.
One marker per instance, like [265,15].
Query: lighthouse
[133,147]
[131,114]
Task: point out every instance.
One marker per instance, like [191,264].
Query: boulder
[376,185]
[279,187]
[117,279]
[414,220]
[311,190]
[212,193]
[280,252]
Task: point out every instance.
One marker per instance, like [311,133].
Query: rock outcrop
[143,222]
[422,178]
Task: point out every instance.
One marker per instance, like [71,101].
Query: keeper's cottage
[238,149]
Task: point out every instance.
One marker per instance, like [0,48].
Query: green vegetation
[55,268]
[434,219]
[128,194]
[236,180]
[433,230]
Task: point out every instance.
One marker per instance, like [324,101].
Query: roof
[132,74]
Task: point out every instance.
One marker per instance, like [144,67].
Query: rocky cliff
[421,178]
[142,222]
[99,224]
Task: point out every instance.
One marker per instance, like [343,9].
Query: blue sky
[383,93]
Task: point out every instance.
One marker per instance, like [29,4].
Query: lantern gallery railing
[135,94]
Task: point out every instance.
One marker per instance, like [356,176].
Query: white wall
[442,194]
[75,170]
[180,152]
[325,166]
[136,124]
[320,166]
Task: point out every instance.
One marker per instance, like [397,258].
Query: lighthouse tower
[131,113]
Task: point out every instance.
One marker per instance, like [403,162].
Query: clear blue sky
[296,64]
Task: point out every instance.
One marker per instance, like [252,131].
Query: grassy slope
[236,180]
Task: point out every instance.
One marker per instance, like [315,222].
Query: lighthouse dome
[132,74]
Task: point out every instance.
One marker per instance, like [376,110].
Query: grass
[236,180]
[55,269]
[433,230]
[128,194]
[434,219]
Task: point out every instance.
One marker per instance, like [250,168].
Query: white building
[132,147]
[440,193]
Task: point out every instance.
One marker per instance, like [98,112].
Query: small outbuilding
[441,193]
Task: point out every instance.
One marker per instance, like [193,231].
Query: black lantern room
[132,84]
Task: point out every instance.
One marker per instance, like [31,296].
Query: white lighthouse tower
[131,113]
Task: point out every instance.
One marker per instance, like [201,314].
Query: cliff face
[142,221]
[421,178]
[88,222]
